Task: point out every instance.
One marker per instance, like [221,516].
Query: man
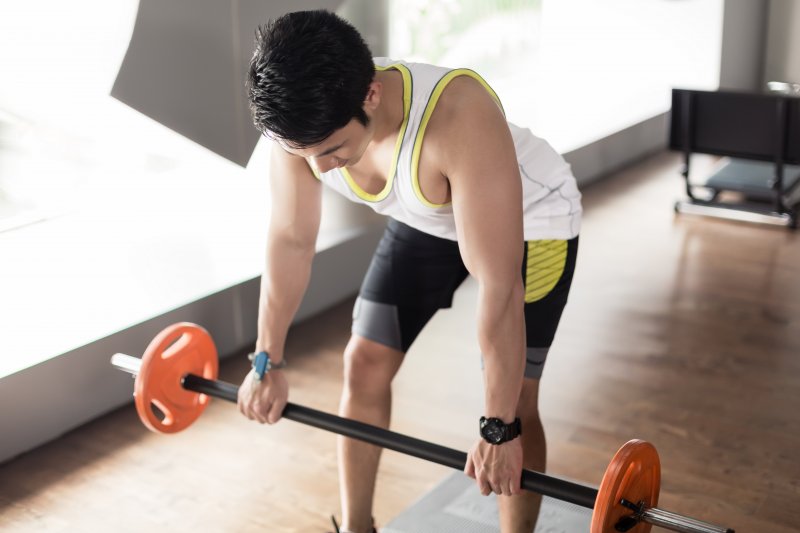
[466,193]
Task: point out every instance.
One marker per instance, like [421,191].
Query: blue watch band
[262,364]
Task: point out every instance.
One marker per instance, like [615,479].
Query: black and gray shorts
[414,274]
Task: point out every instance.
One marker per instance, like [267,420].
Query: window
[573,71]
[65,144]
[151,220]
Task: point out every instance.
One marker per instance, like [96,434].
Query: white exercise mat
[456,506]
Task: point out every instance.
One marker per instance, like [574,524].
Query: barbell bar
[177,375]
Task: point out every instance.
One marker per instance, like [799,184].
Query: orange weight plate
[180,349]
[633,474]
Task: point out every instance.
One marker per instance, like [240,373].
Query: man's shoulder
[464,102]
[465,90]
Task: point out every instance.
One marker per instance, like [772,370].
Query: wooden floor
[683,331]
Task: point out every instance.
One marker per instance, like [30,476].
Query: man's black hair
[308,77]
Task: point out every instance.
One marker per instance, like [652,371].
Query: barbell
[177,375]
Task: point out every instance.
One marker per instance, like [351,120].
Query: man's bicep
[296,198]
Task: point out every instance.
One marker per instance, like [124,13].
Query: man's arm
[291,241]
[479,160]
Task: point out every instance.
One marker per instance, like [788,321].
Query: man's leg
[518,514]
[412,274]
[369,368]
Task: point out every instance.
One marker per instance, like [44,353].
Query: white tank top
[551,201]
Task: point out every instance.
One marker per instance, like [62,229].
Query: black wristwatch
[495,431]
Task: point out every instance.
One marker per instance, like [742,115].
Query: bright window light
[573,71]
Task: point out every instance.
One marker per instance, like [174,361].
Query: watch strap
[263,364]
[514,429]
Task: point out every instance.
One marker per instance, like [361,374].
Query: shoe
[337,530]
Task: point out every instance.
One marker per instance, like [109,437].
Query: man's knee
[369,367]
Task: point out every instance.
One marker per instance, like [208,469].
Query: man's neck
[390,114]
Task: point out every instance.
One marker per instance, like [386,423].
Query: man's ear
[373,98]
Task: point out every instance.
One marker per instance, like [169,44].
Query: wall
[371,18]
[783,42]
[743,44]
[186,64]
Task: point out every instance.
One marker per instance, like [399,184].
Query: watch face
[492,430]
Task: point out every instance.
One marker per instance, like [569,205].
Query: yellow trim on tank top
[544,267]
[426,116]
[358,191]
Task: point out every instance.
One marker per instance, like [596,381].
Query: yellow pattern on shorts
[546,261]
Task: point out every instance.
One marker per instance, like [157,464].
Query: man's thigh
[547,271]
[411,276]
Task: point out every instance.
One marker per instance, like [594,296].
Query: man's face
[344,147]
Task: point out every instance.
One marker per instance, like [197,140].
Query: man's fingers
[469,469]
[254,412]
[484,484]
[504,487]
[275,412]
[499,486]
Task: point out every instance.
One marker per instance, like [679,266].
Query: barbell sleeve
[680,523]
[126,363]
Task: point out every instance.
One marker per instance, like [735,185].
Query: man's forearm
[283,285]
[501,335]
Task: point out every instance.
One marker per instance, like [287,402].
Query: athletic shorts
[414,274]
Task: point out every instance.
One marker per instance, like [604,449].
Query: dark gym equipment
[760,133]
